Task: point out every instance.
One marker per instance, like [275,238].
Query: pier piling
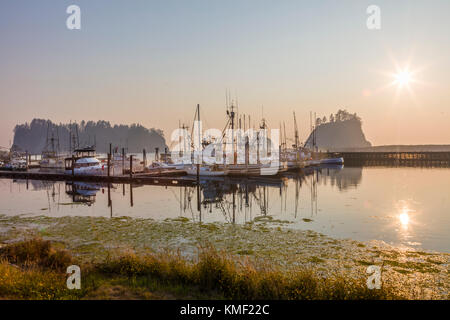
[109,165]
[131,166]
[73,165]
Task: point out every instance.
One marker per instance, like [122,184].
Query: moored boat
[84,162]
[337,160]
[206,170]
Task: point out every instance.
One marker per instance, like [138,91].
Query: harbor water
[404,206]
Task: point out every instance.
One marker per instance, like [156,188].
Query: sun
[403,78]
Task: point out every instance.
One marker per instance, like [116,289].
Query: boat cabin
[86,154]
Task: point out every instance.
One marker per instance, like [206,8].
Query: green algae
[94,238]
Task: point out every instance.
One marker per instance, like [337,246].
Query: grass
[34,269]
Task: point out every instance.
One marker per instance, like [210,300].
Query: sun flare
[403,78]
[404,219]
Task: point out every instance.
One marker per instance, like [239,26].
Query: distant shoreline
[399,148]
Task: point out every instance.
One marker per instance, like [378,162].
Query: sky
[151,62]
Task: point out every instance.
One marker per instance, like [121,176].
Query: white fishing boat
[165,165]
[90,166]
[85,163]
[212,171]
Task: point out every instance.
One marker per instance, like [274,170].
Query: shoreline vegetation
[34,269]
[125,258]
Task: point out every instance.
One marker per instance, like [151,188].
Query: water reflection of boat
[82,192]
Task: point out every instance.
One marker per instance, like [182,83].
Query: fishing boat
[253,169]
[85,163]
[294,159]
[51,161]
[165,165]
[212,171]
[120,163]
[50,158]
[118,158]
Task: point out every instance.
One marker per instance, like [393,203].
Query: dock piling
[73,165]
[131,166]
[123,160]
[109,164]
[144,156]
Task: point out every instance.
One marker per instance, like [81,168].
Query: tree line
[40,135]
[340,116]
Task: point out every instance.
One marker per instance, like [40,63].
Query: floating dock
[164,178]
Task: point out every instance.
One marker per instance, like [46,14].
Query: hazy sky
[151,62]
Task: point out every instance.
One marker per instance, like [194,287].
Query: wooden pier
[396,158]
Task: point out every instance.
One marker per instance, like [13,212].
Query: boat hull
[205,171]
[332,161]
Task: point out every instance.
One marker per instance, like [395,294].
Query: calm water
[403,206]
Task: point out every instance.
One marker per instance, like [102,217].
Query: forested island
[39,134]
[342,130]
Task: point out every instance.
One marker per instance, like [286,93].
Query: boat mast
[199,138]
[58,147]
[296,133]
[46,142]
[70,136]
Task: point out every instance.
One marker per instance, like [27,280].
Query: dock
[395,158]
[162,179]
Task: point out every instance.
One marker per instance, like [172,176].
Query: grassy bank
[33,269]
